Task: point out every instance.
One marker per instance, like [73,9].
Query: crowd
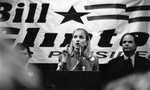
[127,72]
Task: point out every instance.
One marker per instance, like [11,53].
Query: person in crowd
[13,75]
[130,62]
[24,53]
[78,54]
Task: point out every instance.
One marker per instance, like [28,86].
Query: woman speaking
[77,56]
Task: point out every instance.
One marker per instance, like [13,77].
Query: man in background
[130,62]
[24,53]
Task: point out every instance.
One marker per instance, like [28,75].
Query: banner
[47,25]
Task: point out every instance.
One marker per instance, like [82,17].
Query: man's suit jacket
[117,67]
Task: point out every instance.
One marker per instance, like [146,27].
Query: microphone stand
[80,58]
[78,55]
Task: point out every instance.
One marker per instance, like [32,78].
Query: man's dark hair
[133,35]
[22,46]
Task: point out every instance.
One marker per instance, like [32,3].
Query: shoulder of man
[142,58]
[117,59]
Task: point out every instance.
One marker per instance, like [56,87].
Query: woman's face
[79,39]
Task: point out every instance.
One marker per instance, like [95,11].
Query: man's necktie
[129,63]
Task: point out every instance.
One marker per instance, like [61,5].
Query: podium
[71,80]
[74,80]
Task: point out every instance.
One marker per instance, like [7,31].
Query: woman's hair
[86,50]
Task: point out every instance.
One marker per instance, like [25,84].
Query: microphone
[79,49]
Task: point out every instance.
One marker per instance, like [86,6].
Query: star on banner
[72,15]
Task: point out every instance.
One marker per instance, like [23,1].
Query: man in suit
[130,62]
